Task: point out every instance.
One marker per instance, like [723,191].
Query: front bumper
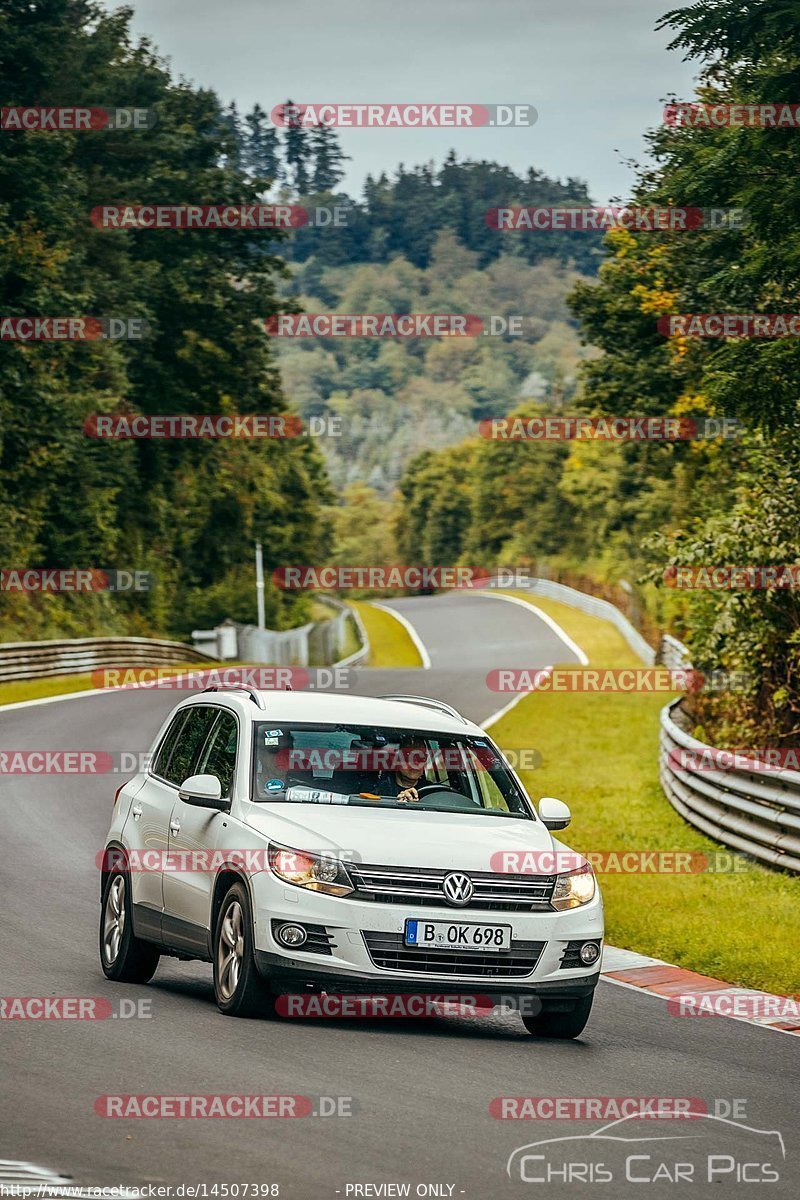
[350,967]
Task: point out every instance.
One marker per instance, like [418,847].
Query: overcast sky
[595,70]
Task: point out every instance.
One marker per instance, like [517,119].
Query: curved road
[421,1089]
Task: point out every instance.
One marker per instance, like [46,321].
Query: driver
[412,759]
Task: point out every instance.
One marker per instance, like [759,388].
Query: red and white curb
[713,997]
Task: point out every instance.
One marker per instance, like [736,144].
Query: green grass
[599,755]
[62,685]
[390,643]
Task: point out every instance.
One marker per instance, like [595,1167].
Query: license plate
[457,935]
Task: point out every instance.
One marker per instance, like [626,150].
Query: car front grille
[423,886]
[389,951]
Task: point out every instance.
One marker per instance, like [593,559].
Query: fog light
[292,935]
[589,952]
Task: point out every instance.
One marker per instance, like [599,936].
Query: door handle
[174,827]
[137,811]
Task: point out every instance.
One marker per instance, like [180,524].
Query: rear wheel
[123,957]
[239,989]
[560,1024]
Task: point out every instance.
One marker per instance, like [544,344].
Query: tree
[328,159]
[262,148]
[296,149]
[188,510]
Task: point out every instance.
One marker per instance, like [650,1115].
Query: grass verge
[600,755]
[62,685]
[389,640]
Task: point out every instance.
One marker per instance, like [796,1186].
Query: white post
[260,585]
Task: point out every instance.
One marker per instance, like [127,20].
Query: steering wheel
[427,788]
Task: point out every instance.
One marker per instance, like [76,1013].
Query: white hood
[398,837]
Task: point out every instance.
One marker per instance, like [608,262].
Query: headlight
[574,888]
[318,872]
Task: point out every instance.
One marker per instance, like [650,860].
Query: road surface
[421,1090]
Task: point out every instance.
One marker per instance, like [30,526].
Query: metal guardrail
[360,656]
[40,660]
[748,807]
[595,607]
[318,643]
[751,808]
[673,654]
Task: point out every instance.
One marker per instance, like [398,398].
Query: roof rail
[255,696]
[427,702]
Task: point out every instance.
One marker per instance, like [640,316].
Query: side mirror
[554,813]
[204,791]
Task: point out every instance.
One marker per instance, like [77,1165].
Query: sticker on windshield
[273,785]
[271,741]
[307,795]
[273,733]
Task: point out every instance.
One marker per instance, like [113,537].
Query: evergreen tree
[262,147]
[233,137]
[296,151]
[328,159]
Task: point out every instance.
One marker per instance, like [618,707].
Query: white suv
[345,844]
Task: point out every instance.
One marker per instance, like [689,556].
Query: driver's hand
[409,794]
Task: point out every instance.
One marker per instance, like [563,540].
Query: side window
[219,756]
[490,794]
[191,740]
[161,760]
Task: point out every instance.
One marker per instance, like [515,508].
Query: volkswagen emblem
[457,888]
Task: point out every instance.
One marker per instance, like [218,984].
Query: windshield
[380,767]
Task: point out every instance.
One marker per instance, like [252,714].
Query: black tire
[239,990]
[560,1024]
[123,957]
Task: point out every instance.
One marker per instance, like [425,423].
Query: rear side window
[190,741]
[161,760]
[219,756]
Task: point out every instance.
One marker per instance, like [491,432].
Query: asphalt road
[421,1090]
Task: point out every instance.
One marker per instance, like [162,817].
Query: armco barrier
[755,810]
[595,608]
[39,660]
[319,643]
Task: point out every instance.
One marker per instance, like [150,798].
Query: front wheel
[123,957]
[239,989]
[560,1024]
